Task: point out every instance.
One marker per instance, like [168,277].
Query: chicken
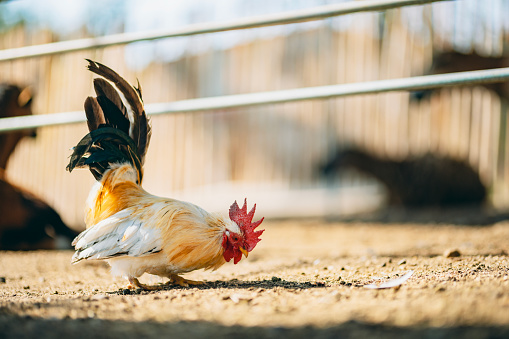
[133,230]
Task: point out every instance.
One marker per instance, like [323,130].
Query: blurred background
[272,154]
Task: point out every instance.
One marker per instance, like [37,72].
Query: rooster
[133,230]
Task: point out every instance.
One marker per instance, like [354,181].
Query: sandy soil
[305,279]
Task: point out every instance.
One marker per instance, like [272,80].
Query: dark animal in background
[427,180]
[452,61]
[14,102]
[26,222]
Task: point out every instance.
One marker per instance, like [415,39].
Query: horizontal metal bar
[264,98]
[201,28]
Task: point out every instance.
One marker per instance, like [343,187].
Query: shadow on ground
[26,327]
[234,284]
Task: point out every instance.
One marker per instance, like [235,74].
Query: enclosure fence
[11,124]
[265,20]
[274,97]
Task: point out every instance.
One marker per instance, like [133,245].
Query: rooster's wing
[122,234]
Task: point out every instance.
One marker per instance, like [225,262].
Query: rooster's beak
[243,250]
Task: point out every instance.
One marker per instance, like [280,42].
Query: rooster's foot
[135,283]
[177,280]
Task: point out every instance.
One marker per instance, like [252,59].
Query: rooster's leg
[178,280]
[134,282]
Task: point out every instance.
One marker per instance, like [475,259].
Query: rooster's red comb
[243,220]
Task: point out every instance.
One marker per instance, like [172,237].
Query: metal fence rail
[258,21]
[273,97]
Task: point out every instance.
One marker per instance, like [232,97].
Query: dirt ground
[305,279]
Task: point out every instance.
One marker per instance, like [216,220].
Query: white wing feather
[118,235]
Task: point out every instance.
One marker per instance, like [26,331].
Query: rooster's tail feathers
[118,132]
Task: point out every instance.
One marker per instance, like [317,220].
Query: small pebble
[237,298]
[2,280]
[452,254]
[402,262]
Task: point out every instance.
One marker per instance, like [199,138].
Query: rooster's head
[237,243]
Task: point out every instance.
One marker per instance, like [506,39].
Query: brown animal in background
[26,222]
[427,180]
[452,61]
[14,102]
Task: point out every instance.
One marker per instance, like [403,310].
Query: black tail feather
[134,101]
[94,113]
[114,110]
[144,137]
[117,133]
